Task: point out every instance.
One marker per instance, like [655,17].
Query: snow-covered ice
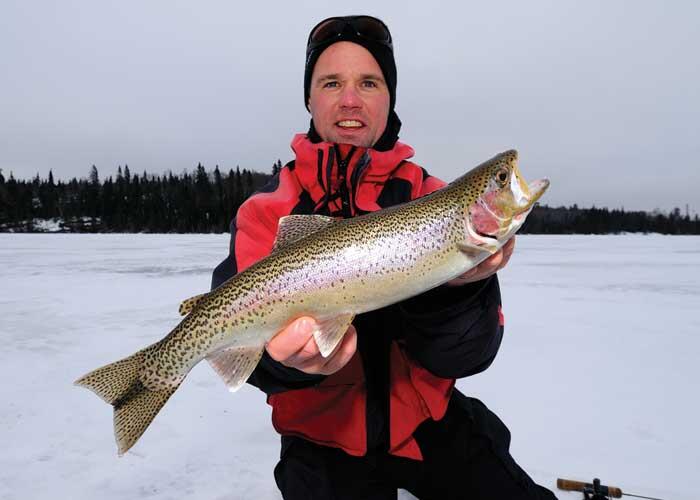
[595,376]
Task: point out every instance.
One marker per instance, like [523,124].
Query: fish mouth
[492,221]
[535,190]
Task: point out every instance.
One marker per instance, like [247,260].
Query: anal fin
[330,333]
[235,364]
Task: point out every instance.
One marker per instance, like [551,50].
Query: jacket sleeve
[253,233]
[456,331]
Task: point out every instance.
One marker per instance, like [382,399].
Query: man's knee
[300,473]
[473,456]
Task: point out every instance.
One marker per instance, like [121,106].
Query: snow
[54,225]
[48,225]
[595,377]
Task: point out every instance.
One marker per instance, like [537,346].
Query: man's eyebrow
[372,76]
[336,76]
[331,76]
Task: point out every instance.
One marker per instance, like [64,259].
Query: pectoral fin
[235,364]
[330,333]
[472,248]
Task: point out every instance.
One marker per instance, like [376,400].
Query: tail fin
[135,405]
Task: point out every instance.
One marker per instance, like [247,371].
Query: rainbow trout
[329,269]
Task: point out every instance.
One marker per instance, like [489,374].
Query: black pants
[465,456]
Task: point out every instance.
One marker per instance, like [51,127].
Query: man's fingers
[486,268]
[294,340]
[499,260]
[507,249]
[305,358]
[336,360]
[492,263]
[316,363]
[296,347]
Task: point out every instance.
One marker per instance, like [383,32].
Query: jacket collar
[317,165]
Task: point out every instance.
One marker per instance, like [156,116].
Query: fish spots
[344,262]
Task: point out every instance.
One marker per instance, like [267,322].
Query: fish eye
[502,176]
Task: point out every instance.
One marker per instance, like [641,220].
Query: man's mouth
[350,124]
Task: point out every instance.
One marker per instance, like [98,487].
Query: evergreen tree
[240,193]
[276,167]
[202,216]
[249,189]
[218,222]
[93,203]
[94,176]
[4,202]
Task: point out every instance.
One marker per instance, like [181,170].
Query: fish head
[497,199]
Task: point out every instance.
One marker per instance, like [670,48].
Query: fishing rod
[595,490]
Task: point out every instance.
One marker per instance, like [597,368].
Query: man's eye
[330,84]
[369,83]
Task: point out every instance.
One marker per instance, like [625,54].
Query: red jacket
[388,384]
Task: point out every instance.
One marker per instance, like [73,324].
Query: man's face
[349,99]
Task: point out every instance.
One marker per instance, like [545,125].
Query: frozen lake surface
[595,376]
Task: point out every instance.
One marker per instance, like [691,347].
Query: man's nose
[350,98]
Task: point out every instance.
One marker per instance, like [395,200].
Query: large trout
[328,269]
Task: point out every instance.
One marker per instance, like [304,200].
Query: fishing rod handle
[569,485]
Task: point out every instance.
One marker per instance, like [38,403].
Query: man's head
[349,99]
[350,82]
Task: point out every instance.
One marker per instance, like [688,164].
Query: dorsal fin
[188,304]
[291,228]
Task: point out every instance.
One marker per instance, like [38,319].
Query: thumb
[292,338]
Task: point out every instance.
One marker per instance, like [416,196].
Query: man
[380,412]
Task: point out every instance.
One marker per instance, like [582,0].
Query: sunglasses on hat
[367,27]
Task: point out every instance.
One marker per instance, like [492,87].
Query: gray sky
[602,97]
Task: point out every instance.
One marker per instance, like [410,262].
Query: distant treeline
[575,220]
[200,202]
[205,201]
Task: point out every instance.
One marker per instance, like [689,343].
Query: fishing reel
[595,490]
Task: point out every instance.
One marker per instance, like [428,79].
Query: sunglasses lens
[366,27]
[371,28]
[327,30]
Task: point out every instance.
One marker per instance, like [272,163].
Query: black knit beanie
[385,58]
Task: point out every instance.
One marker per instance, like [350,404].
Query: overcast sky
[602,97]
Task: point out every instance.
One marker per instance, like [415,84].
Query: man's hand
[488,267]
[295,347]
